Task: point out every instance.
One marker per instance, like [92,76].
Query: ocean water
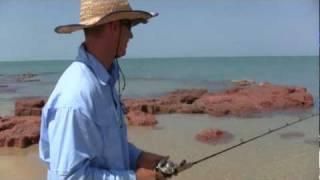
[273,157]
[157,76]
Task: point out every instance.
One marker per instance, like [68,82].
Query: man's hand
[147,174]
[146,166]
[149,160]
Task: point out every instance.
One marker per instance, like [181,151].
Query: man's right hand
[147,174]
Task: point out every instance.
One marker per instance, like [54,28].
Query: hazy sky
[183,28]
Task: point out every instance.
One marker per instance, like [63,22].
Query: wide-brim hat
[97,12]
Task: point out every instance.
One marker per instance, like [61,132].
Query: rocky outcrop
[20,131]
[23,129]
[243,82]
[180,101]
[138,118]
[244,101]
[27,77]
[214,136]
[5,88]
[29,106]
[241,101]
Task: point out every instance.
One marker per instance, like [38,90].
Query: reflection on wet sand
[292,135]
[312,141]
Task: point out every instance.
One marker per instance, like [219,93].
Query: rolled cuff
[134,154]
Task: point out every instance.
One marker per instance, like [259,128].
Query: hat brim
[136,16]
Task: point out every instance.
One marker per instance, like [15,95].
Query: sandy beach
[270,158]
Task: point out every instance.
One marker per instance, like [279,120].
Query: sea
[291,153]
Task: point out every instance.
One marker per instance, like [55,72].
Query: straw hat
[96,12]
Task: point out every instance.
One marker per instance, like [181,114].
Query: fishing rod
[167,168]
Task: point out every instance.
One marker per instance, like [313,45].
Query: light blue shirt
[83,134]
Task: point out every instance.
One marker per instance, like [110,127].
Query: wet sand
[269,158]
[21,164]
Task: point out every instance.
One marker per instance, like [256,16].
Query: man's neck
[103,54]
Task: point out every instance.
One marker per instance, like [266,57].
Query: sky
[184,28]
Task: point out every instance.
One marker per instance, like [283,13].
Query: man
[83,134]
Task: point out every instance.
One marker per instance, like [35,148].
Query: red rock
[21,131]
[183,96]
[27,77]
[189,109]
[209,134]
[214,136]
[243,82]
[144,105]
[4,119]
[177,101]
[29,107]
[138,118]
[244,101]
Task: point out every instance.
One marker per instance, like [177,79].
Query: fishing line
[120,90]
[254,138]
[167,168]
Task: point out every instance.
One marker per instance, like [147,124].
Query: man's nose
[130,35]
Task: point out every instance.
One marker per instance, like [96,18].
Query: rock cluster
[241,101]
[19,131]
[29,107]
[180,101]
[138,118]
[244,101]
[27,77]
[22,129]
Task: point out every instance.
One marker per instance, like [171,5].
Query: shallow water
[269,158]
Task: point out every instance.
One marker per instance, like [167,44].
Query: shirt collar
[104,76]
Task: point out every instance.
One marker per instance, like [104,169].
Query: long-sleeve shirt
[83,134]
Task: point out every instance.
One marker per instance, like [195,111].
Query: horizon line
[176,57]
